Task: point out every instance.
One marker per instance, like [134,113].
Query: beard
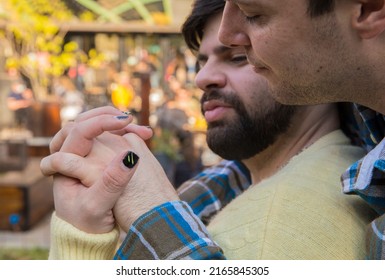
[251,131]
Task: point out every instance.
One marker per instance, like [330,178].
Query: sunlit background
[60,58]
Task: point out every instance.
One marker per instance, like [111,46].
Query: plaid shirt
[367,177]
[183,234]
[212,189]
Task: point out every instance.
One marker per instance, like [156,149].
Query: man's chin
[217,132]
[217,125]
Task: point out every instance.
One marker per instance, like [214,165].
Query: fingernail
[130,160]
[126,112]
[121,117]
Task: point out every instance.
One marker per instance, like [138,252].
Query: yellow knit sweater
[300,212]
[70,243]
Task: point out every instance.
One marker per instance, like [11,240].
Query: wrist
[93,224]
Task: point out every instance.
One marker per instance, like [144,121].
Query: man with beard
[293,210]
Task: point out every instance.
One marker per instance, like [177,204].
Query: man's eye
[242,58]
[252,19]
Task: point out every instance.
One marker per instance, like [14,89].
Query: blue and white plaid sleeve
[213,188]
[170,231]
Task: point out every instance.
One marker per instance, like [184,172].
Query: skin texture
[310,60]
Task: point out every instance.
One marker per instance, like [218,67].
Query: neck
[308,125]
[367,89]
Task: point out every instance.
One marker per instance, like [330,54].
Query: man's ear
[369,19]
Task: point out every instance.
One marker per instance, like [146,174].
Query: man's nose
[233,25]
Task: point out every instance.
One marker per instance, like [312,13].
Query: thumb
[115,178]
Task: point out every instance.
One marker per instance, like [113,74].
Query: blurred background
[59,58]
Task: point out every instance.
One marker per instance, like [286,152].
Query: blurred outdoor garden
[59,58]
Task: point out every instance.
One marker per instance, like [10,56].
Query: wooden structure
[141,16]
[25,197]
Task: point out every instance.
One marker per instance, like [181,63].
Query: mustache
[227,97]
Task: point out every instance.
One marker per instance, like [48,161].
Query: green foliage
[23,254]
[34,41]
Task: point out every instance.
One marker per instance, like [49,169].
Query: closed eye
[252,19]
[239,59]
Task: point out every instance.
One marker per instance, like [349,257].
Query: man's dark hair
[320,7]
[202,11]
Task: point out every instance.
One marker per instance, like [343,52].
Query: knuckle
[56,161]
[134,140]
[76,130]
[61,160]
[72,165]
[56,142]
[112,181]
[131,136]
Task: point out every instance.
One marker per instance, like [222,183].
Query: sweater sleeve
[68,242]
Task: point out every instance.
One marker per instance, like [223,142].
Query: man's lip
[215,110]
[212,104]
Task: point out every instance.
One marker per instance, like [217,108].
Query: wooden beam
[96,8]
[126,6]
[142,10]
[167,9]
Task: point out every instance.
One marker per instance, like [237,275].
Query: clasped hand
[93,189]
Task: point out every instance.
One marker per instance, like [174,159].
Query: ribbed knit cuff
[70,243]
